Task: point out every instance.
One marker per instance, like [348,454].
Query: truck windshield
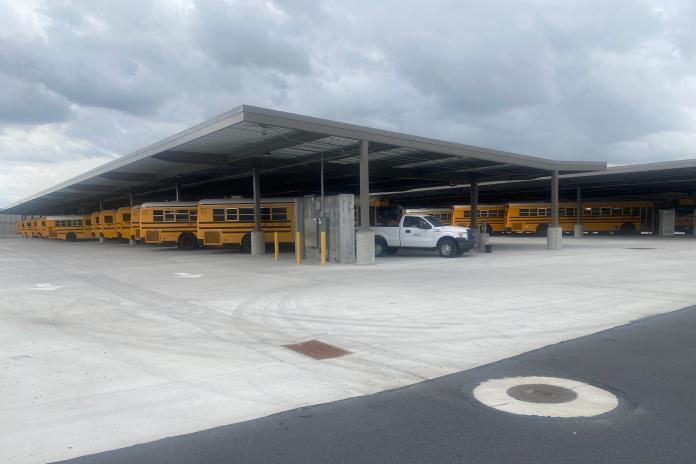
[434,221]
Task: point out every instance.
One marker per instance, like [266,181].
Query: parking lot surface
[105,345]
[648,365]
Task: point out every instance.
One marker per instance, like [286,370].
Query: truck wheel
[448,248]
[392,250]
[70,237]
[186,242]
[381,247]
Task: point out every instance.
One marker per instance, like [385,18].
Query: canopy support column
[555,233]
[365,240]
[577,229]
[258,242]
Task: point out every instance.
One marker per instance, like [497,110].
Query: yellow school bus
[69,227]
[122,222]
[39,227]
[229,221]
[444,215]
[169,223]
[492,215]
[383,212]
[135,223]
[624,217]
[107,219]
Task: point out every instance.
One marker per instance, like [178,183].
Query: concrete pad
[125,351]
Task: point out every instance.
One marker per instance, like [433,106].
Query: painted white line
[186,275]
[45,287]
[590,401]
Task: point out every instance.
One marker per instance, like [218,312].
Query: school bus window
[636,211]
[467,214]
[182,215]
[126,217]
[524,212]
[108,219]
[265,214]
[279,214]
[246,214]
[606,211]
[232,214]
[88,222]
[96,220]
[193,215]
[218,215]
[627,211]
[157,215]
[168,215]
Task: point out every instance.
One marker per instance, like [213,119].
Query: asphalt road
[650,365]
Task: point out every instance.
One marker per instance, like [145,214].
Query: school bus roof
[169,204]
[481,206]
[64,217]
[232,201]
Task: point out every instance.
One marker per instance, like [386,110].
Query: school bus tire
[542,230]
[70,237]
[187,241]
[627,228]
[245,245]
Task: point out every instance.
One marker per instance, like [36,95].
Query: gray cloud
[571,80]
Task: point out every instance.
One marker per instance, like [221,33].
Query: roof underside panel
[217,158]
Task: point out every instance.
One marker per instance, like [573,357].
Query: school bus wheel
[187,241]
[245,246]
[542,230]
[627,228]
[70,237]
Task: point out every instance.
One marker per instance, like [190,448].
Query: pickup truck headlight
[464,235]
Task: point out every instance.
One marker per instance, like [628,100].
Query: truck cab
[423,231]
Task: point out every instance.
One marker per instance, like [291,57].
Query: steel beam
[364,185]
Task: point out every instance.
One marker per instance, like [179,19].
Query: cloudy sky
[82,82]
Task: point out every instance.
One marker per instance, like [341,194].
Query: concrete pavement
[106,346]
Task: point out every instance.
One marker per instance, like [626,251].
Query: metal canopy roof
[654,181]
[215,158]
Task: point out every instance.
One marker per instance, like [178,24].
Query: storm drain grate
[316,349]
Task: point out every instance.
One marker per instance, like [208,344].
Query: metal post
[322,184]
[577,228]
[276,246]
[298,247]
[364,238]
[176,190]
[130,197]
[554,199]
[473,204]
[554,233]
[364,185]
[257,200]
[100,205]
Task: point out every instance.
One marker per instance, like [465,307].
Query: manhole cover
[545,396]
[316,349]
[541,393]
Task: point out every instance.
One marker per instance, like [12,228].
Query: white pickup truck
[423,231]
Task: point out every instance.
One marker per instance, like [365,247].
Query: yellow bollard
[323,248]
[298,247]
[276,246]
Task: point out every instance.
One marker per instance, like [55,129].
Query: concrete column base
[131,241]
[258,243]
[365,248]
[577,231]
[554,239]
[482,241]
[102,240]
